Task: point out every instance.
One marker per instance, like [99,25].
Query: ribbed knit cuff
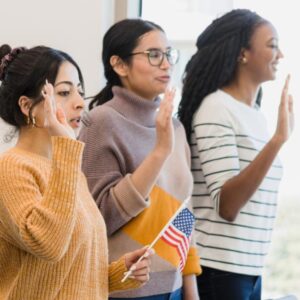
[192,265]
[116,273]
[66,168]
[129,198]
[67,150]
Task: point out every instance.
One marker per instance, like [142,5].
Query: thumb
[135,255]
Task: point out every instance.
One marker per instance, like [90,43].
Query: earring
[33,122]
[244,60]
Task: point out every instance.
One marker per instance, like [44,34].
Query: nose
[165,63]
[280,54]
[78,102]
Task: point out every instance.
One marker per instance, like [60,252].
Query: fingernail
[151,251]
[47,81]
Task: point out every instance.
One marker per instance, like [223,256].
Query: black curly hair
[214,64]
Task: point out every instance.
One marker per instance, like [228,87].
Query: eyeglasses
[156,56]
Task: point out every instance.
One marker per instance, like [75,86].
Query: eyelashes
[67,93]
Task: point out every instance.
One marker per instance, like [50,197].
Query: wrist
[276,142]
[160,154]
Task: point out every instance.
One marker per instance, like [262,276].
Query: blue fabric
[176,295]
[221,285]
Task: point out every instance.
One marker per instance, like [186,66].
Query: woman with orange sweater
[52,236]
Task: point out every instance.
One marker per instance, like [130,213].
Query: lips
[75,122]
[274,66]
[164,78]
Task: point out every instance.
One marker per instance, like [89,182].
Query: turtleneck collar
[134,107]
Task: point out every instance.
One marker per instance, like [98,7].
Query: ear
[243,57]
[25,104]
[118,65]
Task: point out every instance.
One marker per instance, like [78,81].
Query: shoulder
[99,121]
[14,165]
[215,100]
[11,158]
[99,115]
[214,107]
[178,127]
[176,123]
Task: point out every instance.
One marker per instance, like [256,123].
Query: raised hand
[164,124]
[285,121]
[55,119]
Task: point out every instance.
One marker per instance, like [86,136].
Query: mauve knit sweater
[119,135]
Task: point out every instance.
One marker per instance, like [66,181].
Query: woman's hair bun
[7,55]
[4,49]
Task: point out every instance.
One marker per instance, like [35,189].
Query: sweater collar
[133,107]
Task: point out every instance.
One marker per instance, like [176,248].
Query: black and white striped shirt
[227,136]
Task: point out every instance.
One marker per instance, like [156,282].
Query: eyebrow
[169,47]
[66,82]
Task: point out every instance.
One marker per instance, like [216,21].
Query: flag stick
[181,207]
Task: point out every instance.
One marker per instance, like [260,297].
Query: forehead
[264,32]
[153,39]
[67,72]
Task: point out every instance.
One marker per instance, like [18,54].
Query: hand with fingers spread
[164,124]
[139,269]
[55,119]
[285,121]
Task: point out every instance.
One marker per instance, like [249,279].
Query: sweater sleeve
[41,223]
[217,147]
[116,272]
[105,166]
[192,264]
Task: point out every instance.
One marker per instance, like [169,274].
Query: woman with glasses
[234,160]
[136,158]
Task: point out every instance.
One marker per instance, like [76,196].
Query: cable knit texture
[52,237]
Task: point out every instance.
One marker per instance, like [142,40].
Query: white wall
[76,27]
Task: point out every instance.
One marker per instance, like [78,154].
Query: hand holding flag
[177,233]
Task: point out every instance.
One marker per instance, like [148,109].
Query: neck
[243,90]
[139,93]
[35,140]
[135,108]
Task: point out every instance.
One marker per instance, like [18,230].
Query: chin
[273,73]
[269,77]
[76,130]
[163,85]
[163,90]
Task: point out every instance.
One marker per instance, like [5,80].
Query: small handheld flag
[177,233]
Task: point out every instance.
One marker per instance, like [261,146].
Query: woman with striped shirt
[234,161]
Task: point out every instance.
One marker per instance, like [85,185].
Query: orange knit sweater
[52,237]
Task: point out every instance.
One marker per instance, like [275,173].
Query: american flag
[178,234]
